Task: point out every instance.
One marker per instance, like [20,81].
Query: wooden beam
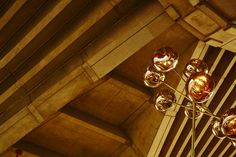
[94,124]
[224,150]
[11,12]
[21,124]
[36,149]
[39,26]
[73,78]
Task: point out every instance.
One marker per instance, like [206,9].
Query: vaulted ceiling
[71,76]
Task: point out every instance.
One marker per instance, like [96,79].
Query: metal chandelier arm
[176,90]
[204,112]
[193,130]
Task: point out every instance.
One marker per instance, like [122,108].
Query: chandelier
[199,87]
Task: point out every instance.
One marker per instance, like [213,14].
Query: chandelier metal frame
[164,60]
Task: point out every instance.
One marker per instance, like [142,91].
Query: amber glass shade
[165,59]
[229,123]
[164,100]
[199,87]
[193,66]
[153,78]
[216,129]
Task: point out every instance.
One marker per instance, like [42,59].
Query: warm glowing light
[199,87]
[229,123]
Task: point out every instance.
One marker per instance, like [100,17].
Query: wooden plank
[132,45]
[208,123]
[207,104]
[17,131]
[69,86]
[92,18]
[233,153]
[122,32]
[28,37]
[11,12]
[10,122]
[218,107]
[94,124]
[224,150]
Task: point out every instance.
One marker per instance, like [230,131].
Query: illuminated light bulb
[199,87]
[228,127]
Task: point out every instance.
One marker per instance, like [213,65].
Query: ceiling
[71,76]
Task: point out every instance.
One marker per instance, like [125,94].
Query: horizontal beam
[94,124]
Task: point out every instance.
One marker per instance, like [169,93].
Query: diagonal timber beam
[36,30]
[92,18]
[11,12]
[75,77]
[94,124]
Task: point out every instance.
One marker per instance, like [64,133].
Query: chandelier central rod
[193,130]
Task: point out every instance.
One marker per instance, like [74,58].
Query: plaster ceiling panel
[183,7]
[79,141]
[111,101]
[227,8]
[176,37]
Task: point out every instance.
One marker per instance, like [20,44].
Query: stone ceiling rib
[75,80]
[88,22]
[105,129]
